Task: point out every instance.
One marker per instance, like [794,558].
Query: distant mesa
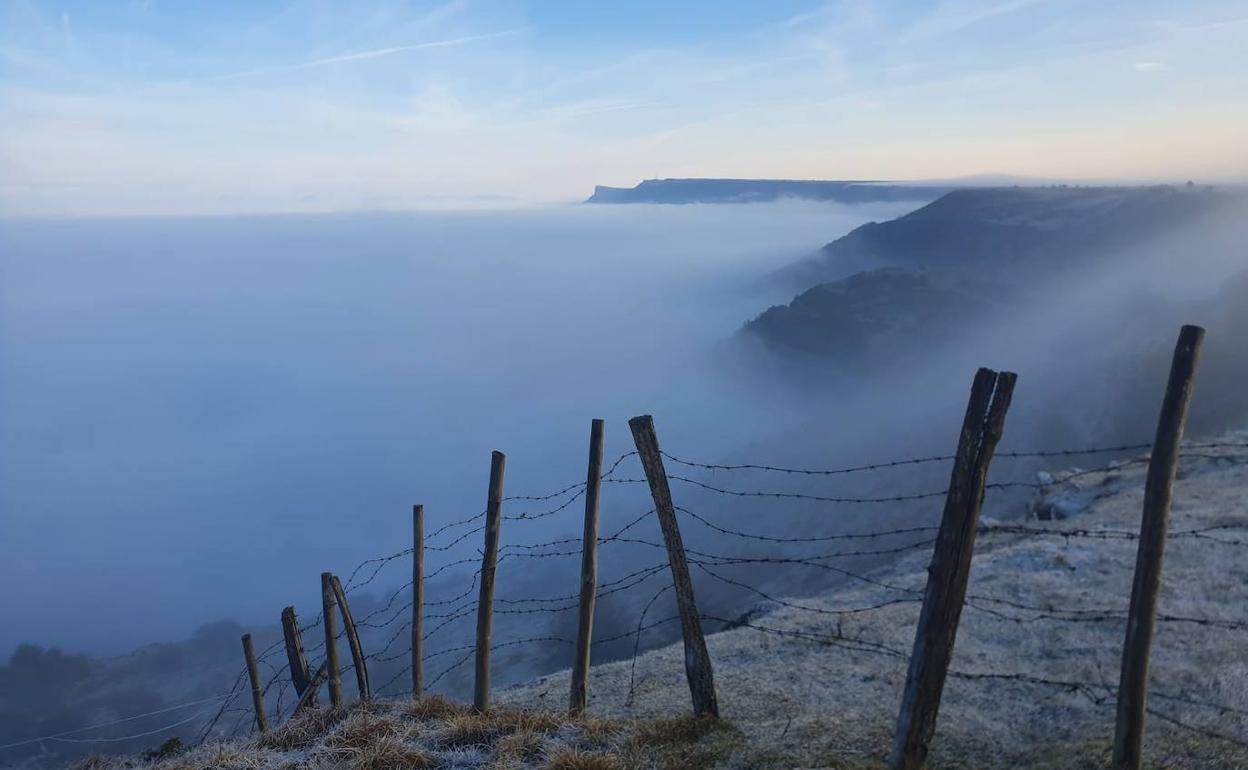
[764,190]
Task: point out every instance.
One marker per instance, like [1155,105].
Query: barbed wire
[632,677]
[812,498]
[63,736]
[552,495]
[391,610]
[810,539]
[884,465]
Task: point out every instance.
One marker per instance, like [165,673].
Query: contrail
[361,55]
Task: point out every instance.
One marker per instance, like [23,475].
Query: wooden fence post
[489,560]
[253,673]
[697,659]
[589,575]
[295,654]
[1158,489]
[418,600]
[950,568]
[309,696]
[353,638]
[332,673]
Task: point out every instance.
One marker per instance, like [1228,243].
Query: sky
[151,107]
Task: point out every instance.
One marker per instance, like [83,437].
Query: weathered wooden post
[332,672]
[257,694]
[353,638]
[418,600]
[489,561]
[1158,490]
[295,654]
[950,569]
[309,696]
[589,575]
[697,659]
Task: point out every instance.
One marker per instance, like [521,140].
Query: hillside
[973,258]
[815,682]
[1018,231]
[761,190]
[814,689]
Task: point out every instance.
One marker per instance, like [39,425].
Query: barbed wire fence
[747,568]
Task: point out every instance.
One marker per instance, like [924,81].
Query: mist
[201,415]
[198,416]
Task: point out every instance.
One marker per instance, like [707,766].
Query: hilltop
[802,684]
[814,689]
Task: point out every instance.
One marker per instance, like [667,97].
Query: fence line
[393,612]
[709,563]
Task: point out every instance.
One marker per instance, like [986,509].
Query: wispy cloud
[942,90]
[375,53]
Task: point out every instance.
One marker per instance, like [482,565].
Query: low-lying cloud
[199,416]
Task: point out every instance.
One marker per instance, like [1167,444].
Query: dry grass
[684,743]
[600,732]
[302,731]
[464,730]
[674,730]
[573,759]
[511,720]
[435,733]
[364,728]
[431,707]
[387,752]
[222,756]
[520,747]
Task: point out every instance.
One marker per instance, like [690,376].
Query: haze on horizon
[148,107]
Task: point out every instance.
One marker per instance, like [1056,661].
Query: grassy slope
[818,703]
[818,700]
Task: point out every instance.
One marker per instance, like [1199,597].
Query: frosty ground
[815,683]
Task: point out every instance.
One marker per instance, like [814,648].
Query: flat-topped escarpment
[763,190]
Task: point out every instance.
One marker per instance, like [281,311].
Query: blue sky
[157,107]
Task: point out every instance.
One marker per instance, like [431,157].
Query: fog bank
[198,416]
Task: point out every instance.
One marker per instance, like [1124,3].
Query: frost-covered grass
[433,733]
[816,701]
[827,697]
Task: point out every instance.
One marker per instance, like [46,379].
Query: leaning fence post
[253,673]
[309,696]
[295,654]
[418,600]
[353,638]
[950,569]
[1158,489]
[489,560]
[589,574]
[697,659]
[332,673]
